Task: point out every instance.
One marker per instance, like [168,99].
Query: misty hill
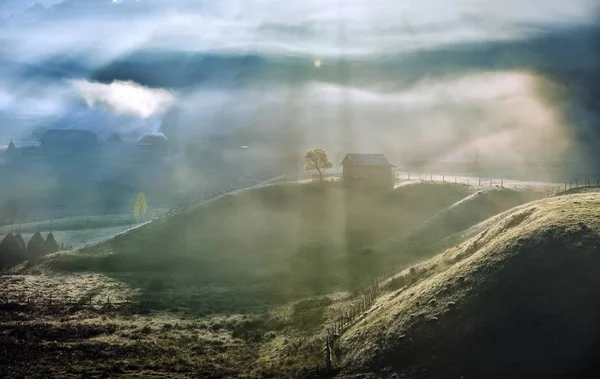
[517,300]
[572,191]
[306,237]
[451,225]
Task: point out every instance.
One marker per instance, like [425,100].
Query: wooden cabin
[368,170]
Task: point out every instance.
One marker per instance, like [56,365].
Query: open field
[244,285]
[82,222]
[305,238]
[79,231]
[168,339]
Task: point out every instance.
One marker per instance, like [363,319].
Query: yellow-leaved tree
[140,207]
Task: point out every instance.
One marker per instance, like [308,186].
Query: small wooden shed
[372,170]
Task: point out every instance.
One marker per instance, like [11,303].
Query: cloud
[125,97]
[323,28]
[413,69]
[29,100]
[500,112]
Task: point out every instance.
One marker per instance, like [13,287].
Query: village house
[368,170]
[68,141]
[153,143]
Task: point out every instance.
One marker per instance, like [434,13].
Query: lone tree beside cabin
[140,207]
[317,159]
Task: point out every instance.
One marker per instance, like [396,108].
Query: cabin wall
[380,176]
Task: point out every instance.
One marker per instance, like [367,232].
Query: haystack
[19,238]
[11,251]
[36,246]
[51,246]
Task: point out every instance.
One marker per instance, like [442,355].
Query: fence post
[409,176]
[480,182]
[490,182]
[328,351]
[431,177]
[443,179]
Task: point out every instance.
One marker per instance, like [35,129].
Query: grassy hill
[245,285]
[305,238]
[572,191]
[517,300]
[450,226]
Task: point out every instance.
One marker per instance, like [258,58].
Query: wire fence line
[403,177]
[207,196]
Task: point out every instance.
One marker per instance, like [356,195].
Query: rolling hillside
[306,237]
[227,288]
[449,226]
[517,300]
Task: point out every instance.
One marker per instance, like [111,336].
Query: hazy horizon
[512,80]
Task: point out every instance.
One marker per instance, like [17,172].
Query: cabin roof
[114,138]
[367,160]
[153,139]
[68,136]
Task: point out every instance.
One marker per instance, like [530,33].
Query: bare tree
[317,159]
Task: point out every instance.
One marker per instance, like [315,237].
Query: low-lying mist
[444,85]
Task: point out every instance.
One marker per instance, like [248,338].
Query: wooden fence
[363,301]
[344,320]
[401,177]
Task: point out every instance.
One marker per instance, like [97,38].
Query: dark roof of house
[367,159]
[68,136]
[153,139]
[114,138]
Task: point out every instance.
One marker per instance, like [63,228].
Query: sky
[510,78]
